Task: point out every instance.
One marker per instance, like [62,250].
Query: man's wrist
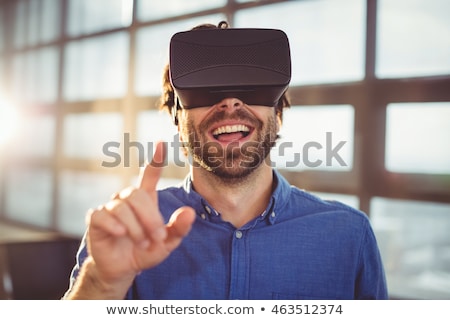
[89,285]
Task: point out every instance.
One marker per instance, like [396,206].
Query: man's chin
[231,177]
[233,174]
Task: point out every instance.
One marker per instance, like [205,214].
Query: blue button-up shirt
[300,247]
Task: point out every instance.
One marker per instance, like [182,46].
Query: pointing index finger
[151,173]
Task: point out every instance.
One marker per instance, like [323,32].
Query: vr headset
[209,65]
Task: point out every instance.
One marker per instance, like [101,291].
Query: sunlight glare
[9,121]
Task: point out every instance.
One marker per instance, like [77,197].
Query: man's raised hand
[128,234]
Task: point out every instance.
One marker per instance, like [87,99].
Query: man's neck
[237,202]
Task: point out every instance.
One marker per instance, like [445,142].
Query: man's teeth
[231,129]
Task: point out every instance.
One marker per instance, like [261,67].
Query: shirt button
[238,234]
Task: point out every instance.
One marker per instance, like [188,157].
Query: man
[235,229]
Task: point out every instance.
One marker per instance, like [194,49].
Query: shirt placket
[239,266]
[239,255]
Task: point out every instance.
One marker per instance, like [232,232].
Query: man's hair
[167,100]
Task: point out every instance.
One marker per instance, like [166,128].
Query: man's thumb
[181,222]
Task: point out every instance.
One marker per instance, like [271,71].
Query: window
[151,10]
[326,37]
[415,246]
[153,126]
[413,38]
[86,135]
[2,35]
[153,49]
[85,16]
[37,137]
[316,138]
[417,137]
[2,80]
[349,200]
[96,68]
[81,191]
[20,19]
[35,76]
[36,22]
[29,195]
[50,17]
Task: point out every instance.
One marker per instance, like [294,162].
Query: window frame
[369,97]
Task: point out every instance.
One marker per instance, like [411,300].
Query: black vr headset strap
[176,106]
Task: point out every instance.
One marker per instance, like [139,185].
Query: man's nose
[230,103]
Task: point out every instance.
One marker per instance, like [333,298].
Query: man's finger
[152,172]
[101,220]
[179,226]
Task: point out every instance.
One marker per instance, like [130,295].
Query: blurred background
[79,86]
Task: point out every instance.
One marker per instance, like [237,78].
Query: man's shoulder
[303,202]
[173,197]
[171,193]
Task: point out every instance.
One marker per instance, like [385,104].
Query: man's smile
[231,132]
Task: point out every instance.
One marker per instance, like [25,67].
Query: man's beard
[234,162]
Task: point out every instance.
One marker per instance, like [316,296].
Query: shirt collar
[277,201]
[280,196]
